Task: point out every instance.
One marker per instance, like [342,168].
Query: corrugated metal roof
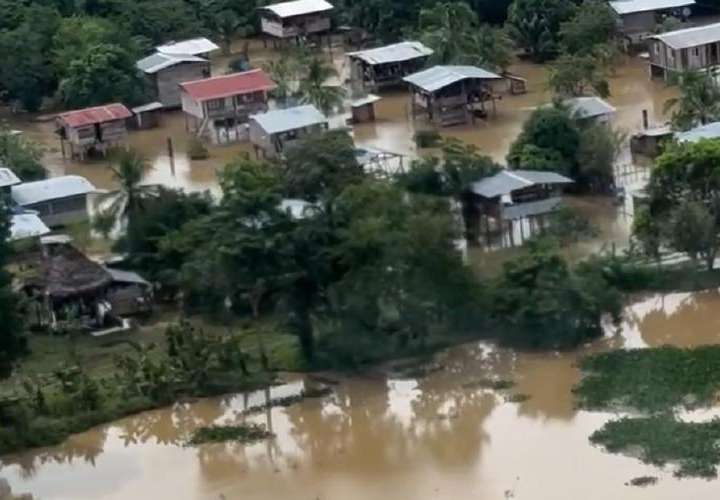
[122,276]
[228,85]
[397,52]
[507,181]
[707,131]
[159,61]
[8,177]
[98,114]
[368,99]
[530,208]
[26,225]
[151,106]
[192,47]
[691,37]
[439,77]
[283,120]
[632,6]
[298,8]
[30,193]
[589,107]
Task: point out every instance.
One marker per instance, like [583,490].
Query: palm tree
[699,101]
[313,89]
[126,201]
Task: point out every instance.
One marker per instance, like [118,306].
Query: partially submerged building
[590,109]
[92,130]
[165,72]
[296,19]
[689,49]
[272,133]
[375,69]
[201,47]
[451,95]
[58,201]
[516,196]
[25,225]
[640,18]
[222,103]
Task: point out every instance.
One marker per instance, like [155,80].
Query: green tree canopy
[699,101]
[535,25]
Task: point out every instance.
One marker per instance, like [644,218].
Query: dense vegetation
[656,382]
[682,211]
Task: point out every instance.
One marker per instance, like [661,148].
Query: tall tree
[454,33]
[594,23]
[535,25]
[315,90]
[699,101]
[13,343]
[22,156]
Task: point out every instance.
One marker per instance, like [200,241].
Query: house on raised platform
[200,47]
[58,201]
[689,49]
[374,69]
[165,72]
[640,18]
[92,130]
[296,19]
[216,106]
[272,133]
[524,197]
[451,95]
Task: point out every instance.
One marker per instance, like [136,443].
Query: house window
[215,104]
[696,52]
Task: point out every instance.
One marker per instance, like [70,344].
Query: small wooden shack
[214,106]
[363,109]
[92,130]
[59,201]
[639,19]
[164,73]
[375,69]
[7,180]
[451,95]
[272,133]
[296,19]
[25,225]
[146,116]
[200,47]
[524,197]
[689,49]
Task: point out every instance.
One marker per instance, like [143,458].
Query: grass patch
[517,398]
[662,439]
[650,380]
[642,481]
[244,433]
[489,383]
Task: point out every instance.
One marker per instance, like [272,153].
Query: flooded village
[322,257]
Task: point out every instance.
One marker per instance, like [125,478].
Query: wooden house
[59,201]
[92,130]
[224,102]
[515,197]
[639,19]
[200,47]
[272,133]
[689,49]
[374,69]
[164,73]
[296,19]
[451,95]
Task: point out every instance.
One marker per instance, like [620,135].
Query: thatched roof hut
[63,273]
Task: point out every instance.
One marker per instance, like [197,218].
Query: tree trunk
[255,298]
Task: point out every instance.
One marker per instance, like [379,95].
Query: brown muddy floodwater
[439,437]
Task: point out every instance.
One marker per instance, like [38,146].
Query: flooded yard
[441,436]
